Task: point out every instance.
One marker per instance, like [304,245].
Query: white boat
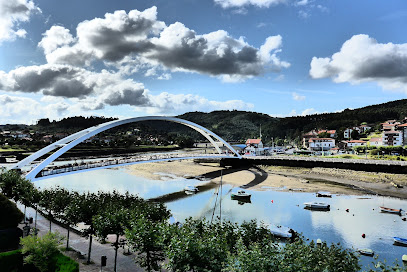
[240,195]
[280,231]
[401,241]
[366,251]
[191,189]
[317,206]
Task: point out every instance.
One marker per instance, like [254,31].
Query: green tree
[111,221]
[41,251]
[146,238]
[10,211]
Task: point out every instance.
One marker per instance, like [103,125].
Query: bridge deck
[52,171]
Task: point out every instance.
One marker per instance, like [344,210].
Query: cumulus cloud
[17,110]
[12,13]
[363,59]
[91,91]
[242,3]
[137,39]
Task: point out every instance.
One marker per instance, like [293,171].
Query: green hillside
[240,125]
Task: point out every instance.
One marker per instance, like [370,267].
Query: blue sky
[134,58]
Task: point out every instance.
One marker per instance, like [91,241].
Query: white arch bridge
[65,144]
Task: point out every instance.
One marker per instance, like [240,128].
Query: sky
[129,58]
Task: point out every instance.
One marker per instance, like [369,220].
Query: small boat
[240,195]
[390,210]
[280,231]
[317,206]
[323,195]
[400,241]
[366,251]
[190,189]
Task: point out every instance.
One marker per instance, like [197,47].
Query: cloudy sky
[130,58]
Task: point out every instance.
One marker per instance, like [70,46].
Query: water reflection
[269,205]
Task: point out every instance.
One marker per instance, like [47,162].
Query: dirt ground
[335,181]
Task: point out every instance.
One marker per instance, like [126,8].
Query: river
[270,205]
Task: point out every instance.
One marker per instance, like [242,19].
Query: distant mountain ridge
[237,126]
[240,125]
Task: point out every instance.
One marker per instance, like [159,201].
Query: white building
[321,144]
[353,143]
[376,141]
[403,129]
[254,147]
[392,138]
[347,133]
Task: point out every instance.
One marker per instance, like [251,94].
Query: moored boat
[390,210]
[190,189]
[323,195]
[366,251]
[241,195]
[400,241]
[317,206]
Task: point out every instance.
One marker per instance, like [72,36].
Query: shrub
[41,251]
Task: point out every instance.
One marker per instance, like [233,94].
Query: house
[392,138]
[403,129]
[321,144]
[254,147]
[353,143]
[307,136]
[332,132]
[376,141]
[257,143]
[347,133]
[364,128]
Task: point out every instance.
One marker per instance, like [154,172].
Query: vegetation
[197,245]
[41,251]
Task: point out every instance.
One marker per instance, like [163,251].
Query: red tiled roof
[376,140]
[356,141]
[392,132]
[403,125]
[253,141]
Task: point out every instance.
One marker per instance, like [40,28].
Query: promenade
[79,243]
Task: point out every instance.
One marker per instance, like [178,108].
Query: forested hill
[239,125]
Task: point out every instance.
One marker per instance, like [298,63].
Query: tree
[324,135]
[146,238]
[10,211]
[87,205]
[41,250]
[354,134]
[111,221]
[46,201]
[196,247]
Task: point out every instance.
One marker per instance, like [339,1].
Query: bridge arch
[71,141]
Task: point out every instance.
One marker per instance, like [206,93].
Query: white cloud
[242,3]
[137,40]
[12,13]
[298,97]
[303,14]
[363,59]
[17,110]
[70,90]
[309,111]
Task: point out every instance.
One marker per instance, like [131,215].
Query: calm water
[334,226]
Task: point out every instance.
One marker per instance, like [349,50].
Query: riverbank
[335,181]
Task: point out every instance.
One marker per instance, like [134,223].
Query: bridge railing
[54,170]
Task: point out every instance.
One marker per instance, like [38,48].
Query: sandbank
[334,181]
